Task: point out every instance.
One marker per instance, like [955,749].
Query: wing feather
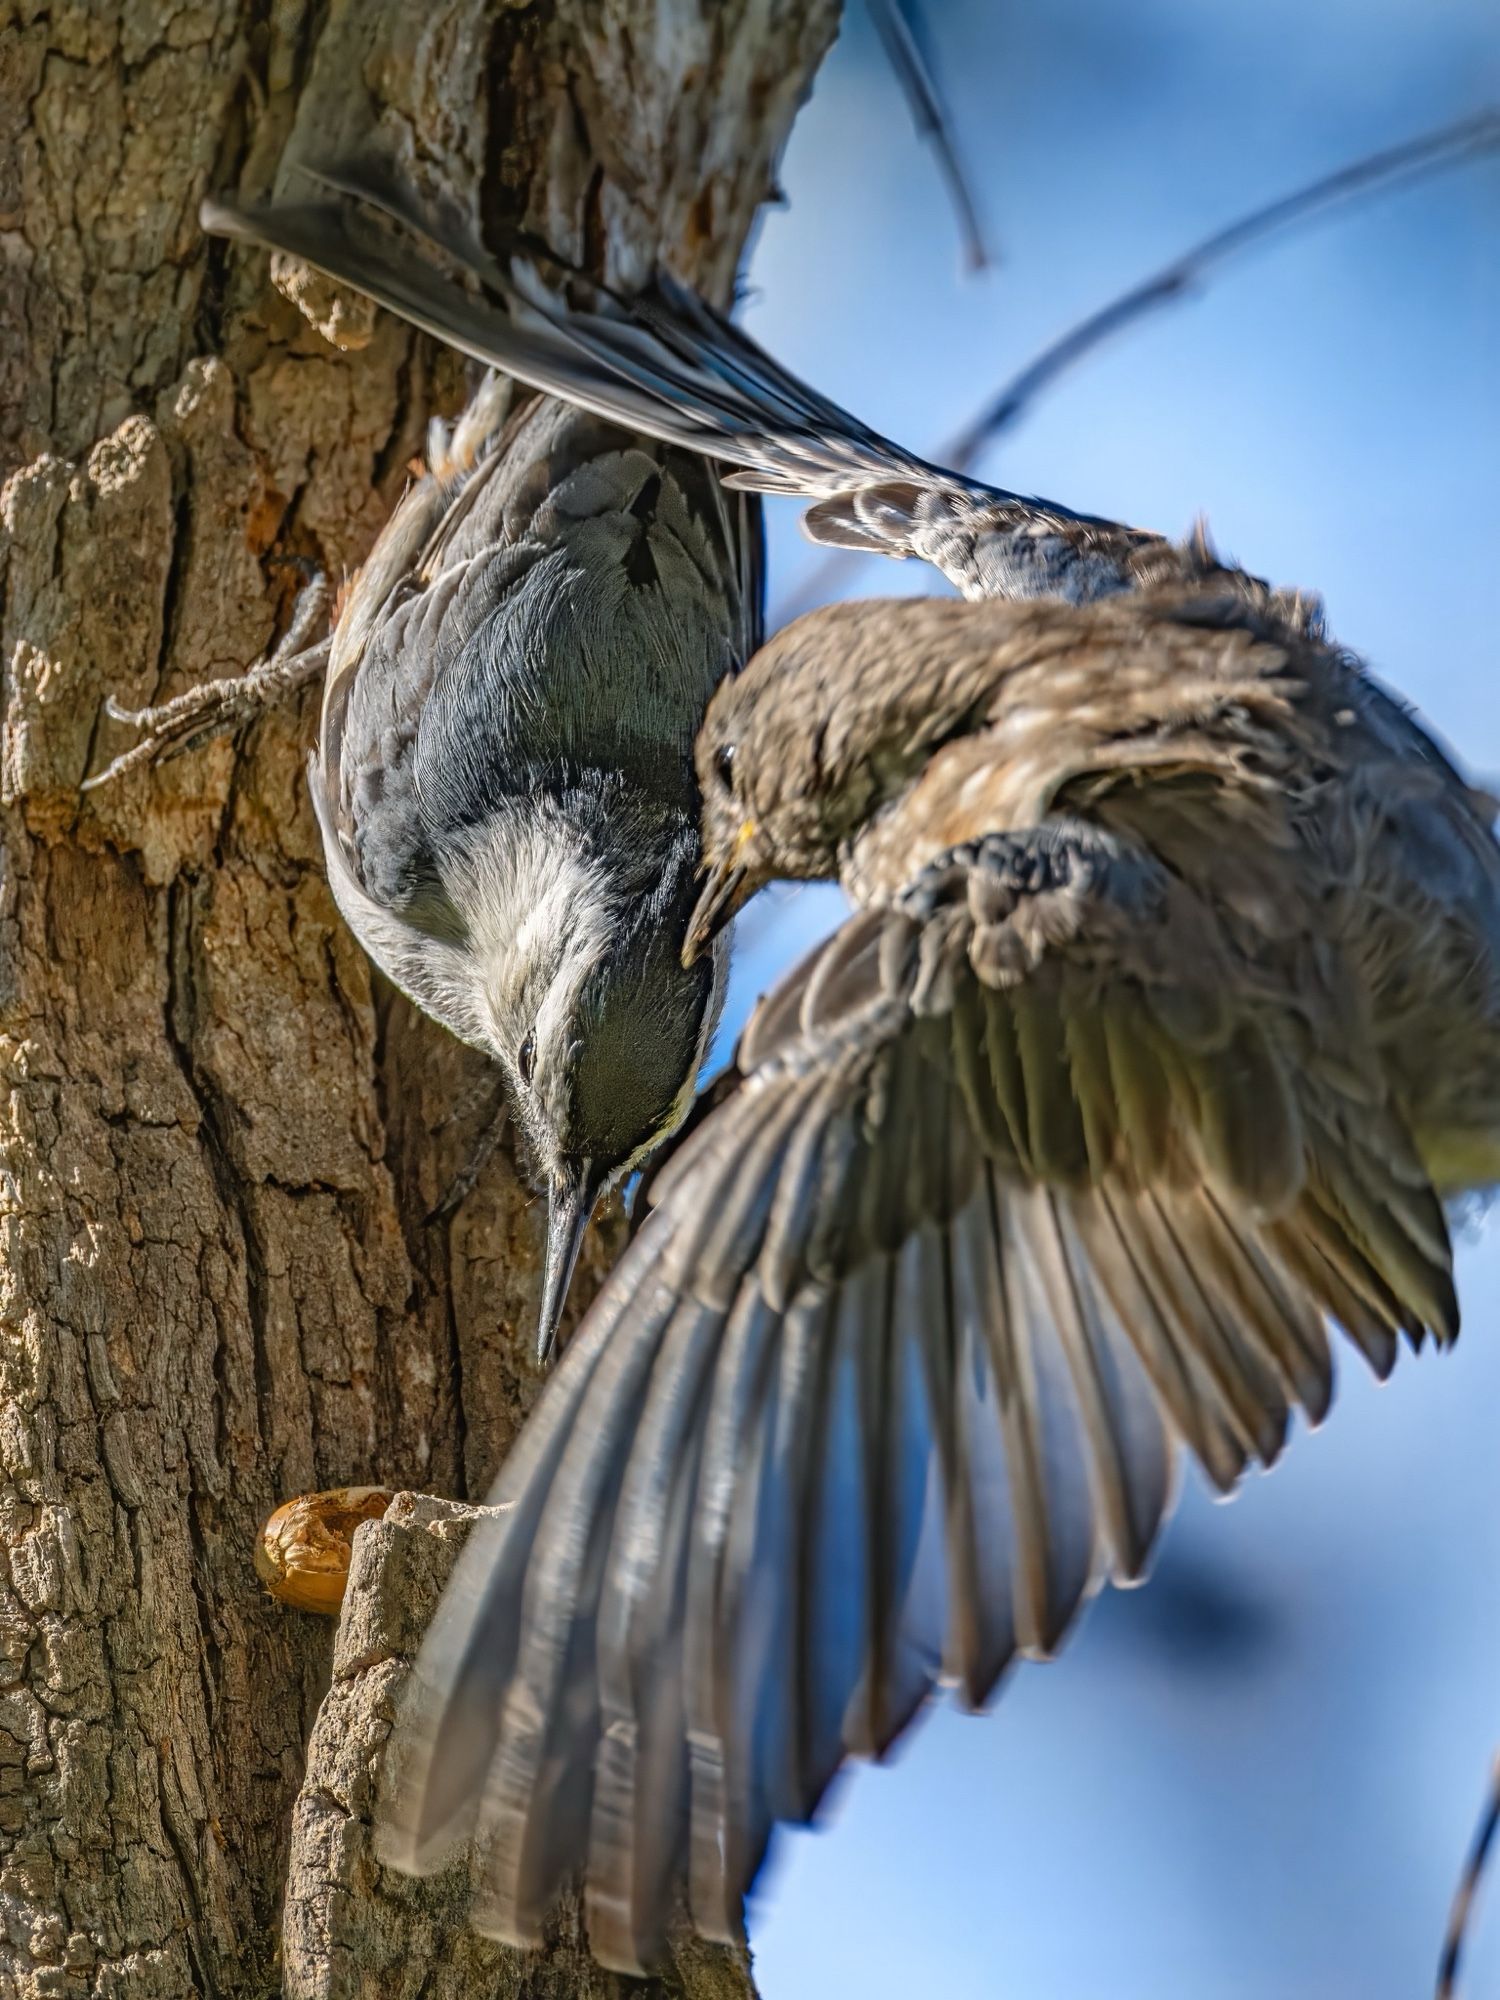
[643,1757]
[983,1537]
[1128,1451]
[894,1374]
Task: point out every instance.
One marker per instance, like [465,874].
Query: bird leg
[214,708]
[480,1153]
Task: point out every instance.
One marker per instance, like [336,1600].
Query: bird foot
[480,1154]
[214,708]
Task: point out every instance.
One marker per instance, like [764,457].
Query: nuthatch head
[598,1025]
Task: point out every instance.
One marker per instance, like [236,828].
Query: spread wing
[669,366]
[1025,1185]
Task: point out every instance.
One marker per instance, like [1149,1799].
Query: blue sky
[1254,1779]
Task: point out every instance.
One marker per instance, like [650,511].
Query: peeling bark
[219,1136]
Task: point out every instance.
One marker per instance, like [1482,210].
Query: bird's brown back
[1348,866]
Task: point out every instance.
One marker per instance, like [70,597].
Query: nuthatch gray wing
[504,776]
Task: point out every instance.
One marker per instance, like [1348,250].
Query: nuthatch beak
[571,1198]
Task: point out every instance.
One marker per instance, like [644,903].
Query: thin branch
[1397,166]
[1468,1886]
[915,76]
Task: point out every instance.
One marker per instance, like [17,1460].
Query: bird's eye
[526,1059]
[724,765]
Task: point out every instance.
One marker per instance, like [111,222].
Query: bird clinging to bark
[504,774]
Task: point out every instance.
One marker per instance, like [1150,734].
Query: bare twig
[1396,166]
[1463,1900]
[915,76]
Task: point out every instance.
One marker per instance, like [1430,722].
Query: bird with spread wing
[1164,1028]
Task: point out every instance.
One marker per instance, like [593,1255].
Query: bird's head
[599,1026]
[782,788]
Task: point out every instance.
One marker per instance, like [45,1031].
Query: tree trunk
[220,1136]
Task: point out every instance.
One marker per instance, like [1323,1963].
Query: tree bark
[219,1135]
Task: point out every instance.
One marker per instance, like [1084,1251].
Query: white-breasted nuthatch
[504,775]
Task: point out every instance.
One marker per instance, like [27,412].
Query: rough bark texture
[355,1932]
[218,1136]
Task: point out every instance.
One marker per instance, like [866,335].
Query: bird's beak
[570,1206]
[730,885]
